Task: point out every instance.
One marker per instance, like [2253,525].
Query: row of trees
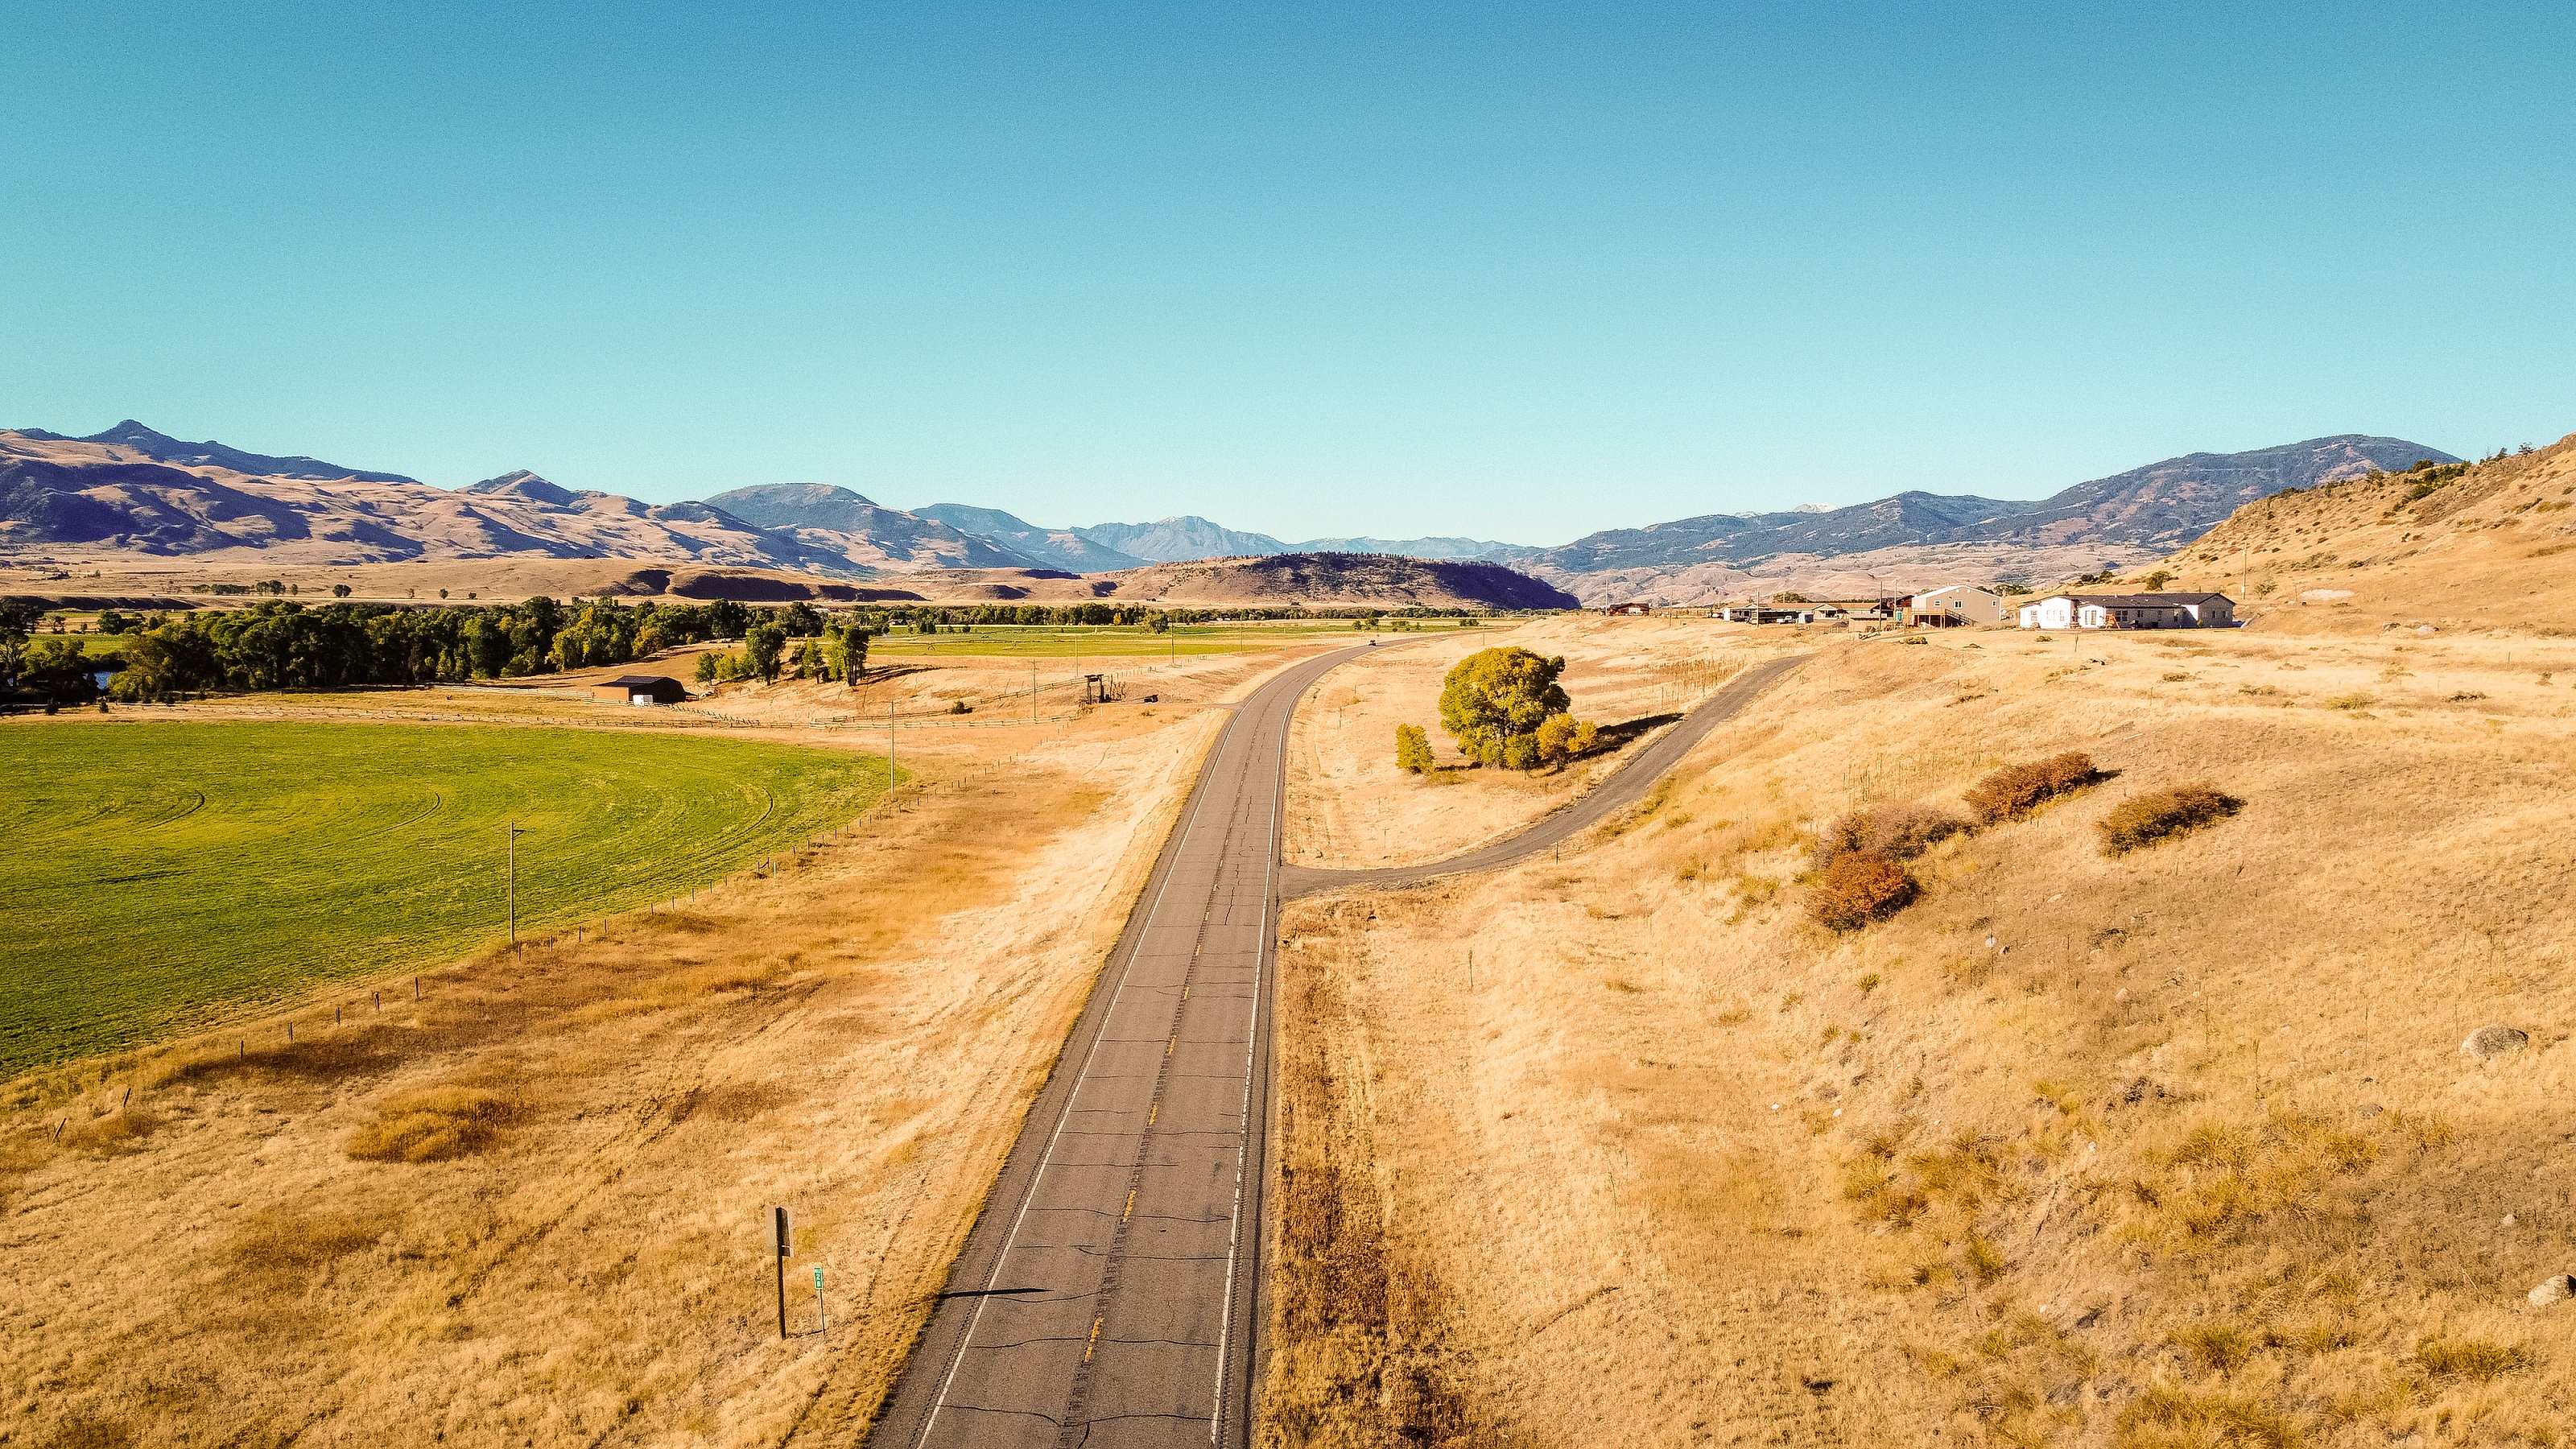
[885,619]
[1503,707]
[283,644]
[768,652]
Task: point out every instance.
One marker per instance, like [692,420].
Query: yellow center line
[1175,1041]
[1131,1206]
[1094,1343]
[1157,1112]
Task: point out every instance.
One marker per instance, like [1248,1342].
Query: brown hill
[1342,578]
[132,493]
[2474,546]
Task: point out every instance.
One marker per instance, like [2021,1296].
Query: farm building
[1957,604]
[1633,606]
[1763,614]
[640,689]
[2130,611]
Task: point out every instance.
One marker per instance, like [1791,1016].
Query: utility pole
[513,832]
[786,1249]
[889,749]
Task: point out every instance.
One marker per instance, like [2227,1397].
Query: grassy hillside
[2173,1147]
[2485,546]
[162,872]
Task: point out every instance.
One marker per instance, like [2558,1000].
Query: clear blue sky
[1391,269]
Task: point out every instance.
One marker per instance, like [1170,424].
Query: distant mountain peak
[527,485]
[160,447]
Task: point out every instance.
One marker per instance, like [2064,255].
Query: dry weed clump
[434,1124]
[2142,820]
[2473,1358]
[1859,888]
[2017,790]
[2170,1418]
[2224,1178]
[120,1131]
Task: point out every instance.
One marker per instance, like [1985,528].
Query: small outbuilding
[1957,604]
[640,689]
[1632,607]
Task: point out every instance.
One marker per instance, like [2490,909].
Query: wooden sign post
[822,1315]
[786,1250]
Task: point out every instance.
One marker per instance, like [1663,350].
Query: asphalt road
[1109,1291]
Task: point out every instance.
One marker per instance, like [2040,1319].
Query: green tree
[707,667]
[1561,737]
[1413,749]
[810,663]
[339,591]
[761,648]
[800,621]
[2156,581]
[850,654]
[1494,700]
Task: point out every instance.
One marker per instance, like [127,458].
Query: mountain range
[132,489]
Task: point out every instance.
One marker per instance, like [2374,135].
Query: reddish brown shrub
[2142,820]
[1899,832]
[1858,888]
[2016,790]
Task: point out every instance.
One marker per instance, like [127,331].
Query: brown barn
[1632,607]
[640,689]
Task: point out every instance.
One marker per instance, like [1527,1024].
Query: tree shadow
[1616,736]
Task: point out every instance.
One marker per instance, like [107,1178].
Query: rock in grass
[2552,1289]
[2494,1041]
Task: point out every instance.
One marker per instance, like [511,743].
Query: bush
[2142,820]
[2017,790]
[1899,832]
[1413,749]
[1858,888]
[1561,737]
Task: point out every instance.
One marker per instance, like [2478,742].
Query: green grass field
[159,875]
[1110,640]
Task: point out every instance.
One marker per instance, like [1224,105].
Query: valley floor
[530,1206]
[2178,1147]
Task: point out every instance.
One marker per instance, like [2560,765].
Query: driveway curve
[1621,790]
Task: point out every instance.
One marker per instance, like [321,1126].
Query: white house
[2130,611]
[1962,604]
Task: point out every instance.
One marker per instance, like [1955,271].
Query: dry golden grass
[1350,806]
[2491,551]
[2174,1148]
[529,1207]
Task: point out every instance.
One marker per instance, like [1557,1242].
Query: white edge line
[1251,1046]
[1035,1178]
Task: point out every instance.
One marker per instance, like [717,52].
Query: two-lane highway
[1108,1295]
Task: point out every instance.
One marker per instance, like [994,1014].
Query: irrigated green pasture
[1107,640]
[159,875]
